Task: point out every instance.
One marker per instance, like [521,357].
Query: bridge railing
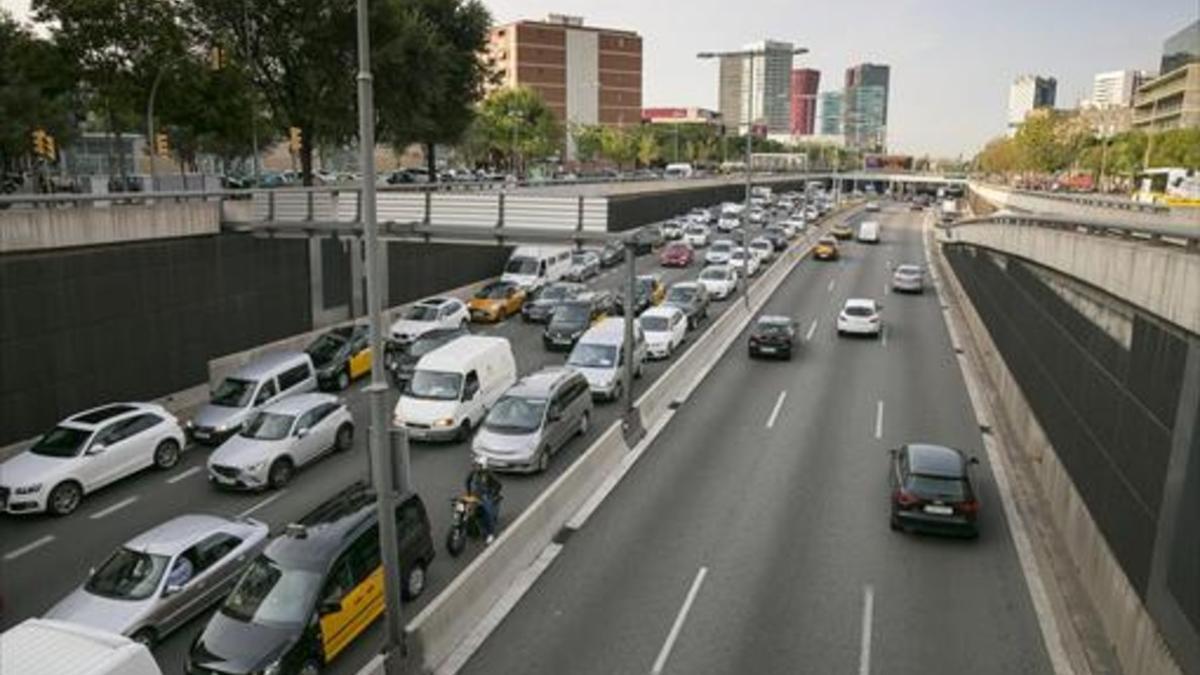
[1179,234]
[1086,199]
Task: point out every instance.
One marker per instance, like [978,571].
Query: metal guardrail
[1084,199]
[1184,235]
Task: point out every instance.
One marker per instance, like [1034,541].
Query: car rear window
[859,310]
[938,487]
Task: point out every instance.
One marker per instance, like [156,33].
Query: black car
[773,336]
[570,321]
[340,355]
[692,299]
[612,254]
[539,309]
[779,240]
[313,590]
[932,491]
[646,239]
[400,358]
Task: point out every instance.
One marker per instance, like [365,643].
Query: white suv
[427,315]
[86,452]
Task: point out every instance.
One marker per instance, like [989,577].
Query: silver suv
[534,419]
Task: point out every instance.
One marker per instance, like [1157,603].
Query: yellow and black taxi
[652,285]
[313,590]
[842,231]
[496,301]
[826,248]
[340,356]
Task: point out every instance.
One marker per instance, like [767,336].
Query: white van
[532,267]
[600,356]
[868,232]
[454,386]
[47,647]
[680,170]
[247,390]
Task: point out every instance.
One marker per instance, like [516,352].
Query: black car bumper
[766,349]
[935,524]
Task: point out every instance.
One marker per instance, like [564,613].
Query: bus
[1172,186]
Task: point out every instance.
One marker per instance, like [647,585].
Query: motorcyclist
[482,484]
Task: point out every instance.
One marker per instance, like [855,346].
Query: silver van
[600,355]
[534,419]
[267,378]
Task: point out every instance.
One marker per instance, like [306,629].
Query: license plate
[222,479]
[939,510]
[767,350]
[200,434]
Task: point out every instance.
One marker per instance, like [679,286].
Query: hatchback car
[908,279]
[697,235]
[859,316]
[496,301]
[665,328]
[535,419]
[764,248]
[428,314]
[340,356]
[744,262]
[841,231]
[773,336]
[400,358]
[692,299]
[612,254]
[932,490]
[86,452]
[540,307]
[162,578]
[720,281]
[584,266]
[572,319]
[275,441]
[826,248]
[677,254]
[719,252]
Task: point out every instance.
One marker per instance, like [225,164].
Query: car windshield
[128,575]
[938,487]
[593,356]
[521,266]
[571,314]
[271,595]
[678,294]
[580,258]
[738,255]
[859,310]
[555,293]
[713,273]
[434,385]
[495,292]
[826,241]
[516,414]
[233,393]
[326,348]
[266,426]
[61,442]
[696,229]
[421,313]
[654,324]
[722,247]
[908,270]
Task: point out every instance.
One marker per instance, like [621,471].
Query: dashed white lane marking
[665,652]
[261,504]
[879,419]
[811,330]
[776,409]
[883,336]
[180,476]
[31,546]
[864,654]
[113,509]
[831,284]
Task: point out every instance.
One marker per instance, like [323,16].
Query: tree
[618,146]
[1000,155]
[588,140]
[648,150]
[37,91]
[516,123]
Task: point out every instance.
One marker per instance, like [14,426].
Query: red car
[677,254]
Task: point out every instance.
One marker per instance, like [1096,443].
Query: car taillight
[971,507]
[753,340]
[905,498]
[873,319]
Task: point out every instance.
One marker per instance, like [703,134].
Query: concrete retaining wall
[48,228]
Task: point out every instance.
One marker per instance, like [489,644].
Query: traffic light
[40,137]
[295,139]
[162,146]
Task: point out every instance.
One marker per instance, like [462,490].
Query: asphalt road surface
[752,537]
[44,558]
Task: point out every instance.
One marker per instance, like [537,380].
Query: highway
[31,545]
[752,535]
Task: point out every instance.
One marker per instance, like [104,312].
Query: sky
[952,61]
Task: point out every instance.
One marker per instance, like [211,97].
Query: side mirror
[96,449]
[329,607]
[171,589]
[554,415]
[302,432]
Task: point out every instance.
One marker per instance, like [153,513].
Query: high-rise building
[1181,48]
[804,101]
[1115,89]
[865,106]
[829,104]
[1029,92]
[586,75]
[754,90]
[1172,100]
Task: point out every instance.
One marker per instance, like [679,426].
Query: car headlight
[221,429]
[255,467]
[28,489]
[444,422]
[190,424]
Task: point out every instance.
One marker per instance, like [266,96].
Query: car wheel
[145,637]
[65,498]
[414,581]
[166,455]
[543,460]
[280,473]
[585,423]
[343,380]
[618,391]
[345,438]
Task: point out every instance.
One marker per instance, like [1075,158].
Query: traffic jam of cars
[280,413]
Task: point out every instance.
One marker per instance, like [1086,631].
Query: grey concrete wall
[1062,205]
[29,229]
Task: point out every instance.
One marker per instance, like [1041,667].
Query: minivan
[453,387]
[534,420]
[314,589]
[48,647]
[267,378]
[532,267]
[868,232]
[600,356]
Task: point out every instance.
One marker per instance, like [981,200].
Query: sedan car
[86,452]
[931,490]
[744,262]
[697,235]
[718,253]
[908,279]
[612,254]
[646,239]
[763,247]
[773,336]
[275,441]
[842,231]
[540,307]
[571,320]
[720,281]
[672,230]
[728,223]
[428,314]
[340,356]
[584,266]
[859,316]
[162,578]
[665,328]
[826,248]
[677,254]
[496,301]
[692,299]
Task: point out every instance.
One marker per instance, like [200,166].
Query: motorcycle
[466,521]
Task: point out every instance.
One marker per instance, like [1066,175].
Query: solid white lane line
[811,330]
[864,656]
[831,282]
[665,652]
[114,508]
[18,552]
[180,476]
[775,410]
[261,504]
[879,419]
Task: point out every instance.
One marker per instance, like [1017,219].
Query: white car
[794,226]
[757,216]
[719,252]
[872,206]
[665,327]
[719,280]
[87,451]
[697,235]
[428,315]
[859,316]
[763,248]
[278,439]
[744,262]
[728,223]
[672,230]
